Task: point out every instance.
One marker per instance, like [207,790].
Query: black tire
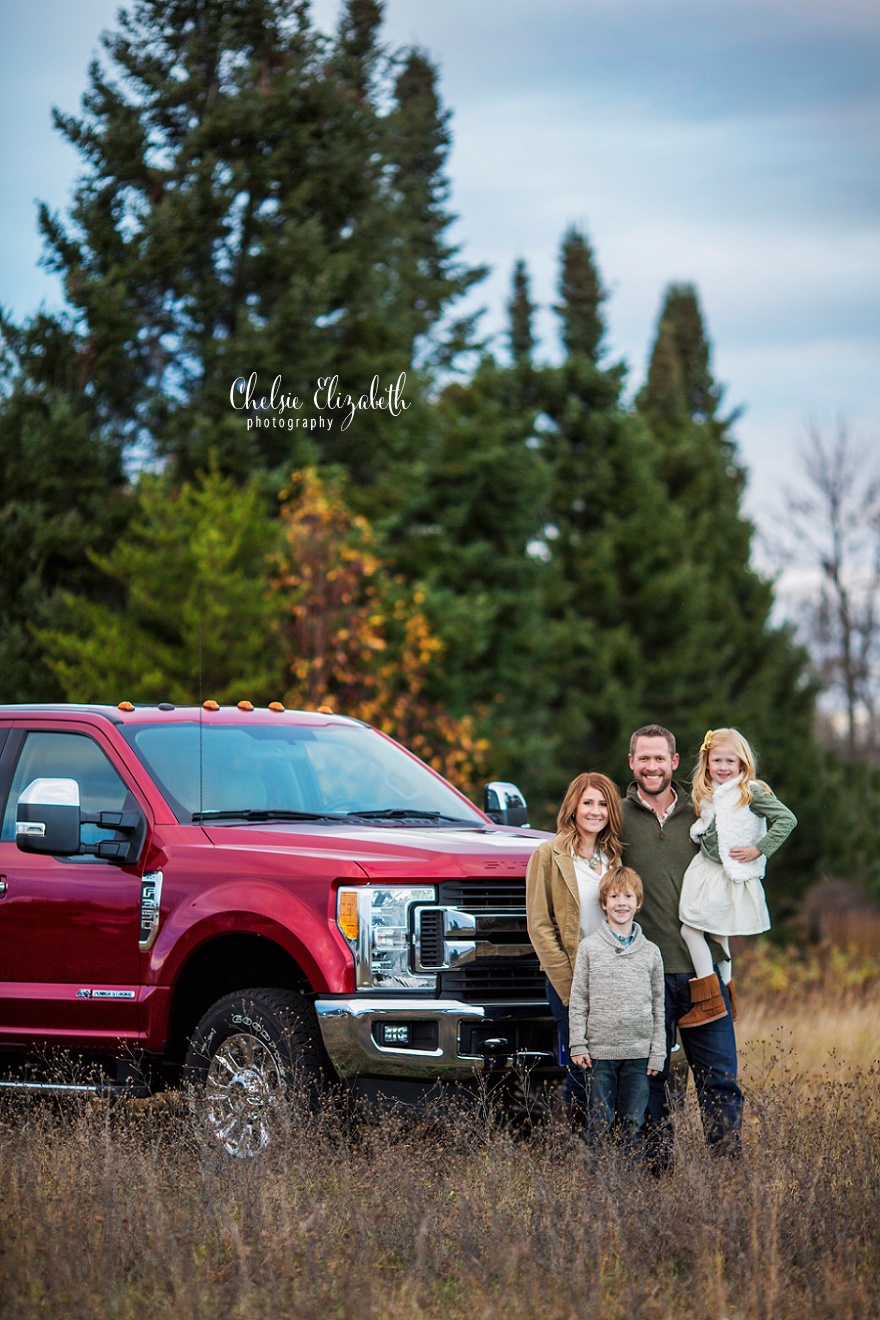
[254,1059]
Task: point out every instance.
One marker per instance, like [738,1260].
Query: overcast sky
[734,144]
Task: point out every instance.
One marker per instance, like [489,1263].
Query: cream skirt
[712,902]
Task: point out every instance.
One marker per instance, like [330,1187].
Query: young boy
[616,1011]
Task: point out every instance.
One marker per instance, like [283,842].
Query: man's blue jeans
[619,1098]
[711,1052]
[576,1083]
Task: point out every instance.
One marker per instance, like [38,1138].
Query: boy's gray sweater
[617,1007]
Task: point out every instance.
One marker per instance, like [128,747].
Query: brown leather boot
[732,993]
[707,1000]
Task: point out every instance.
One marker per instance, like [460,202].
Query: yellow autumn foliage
[358,639]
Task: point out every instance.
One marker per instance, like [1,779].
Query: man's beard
[657,787]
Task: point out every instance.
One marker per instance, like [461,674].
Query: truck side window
[67,756]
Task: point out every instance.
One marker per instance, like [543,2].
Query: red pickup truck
[252,899]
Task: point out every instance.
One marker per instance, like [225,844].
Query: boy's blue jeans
[619,1091]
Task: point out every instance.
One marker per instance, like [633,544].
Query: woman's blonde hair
[703,787]
[608,839]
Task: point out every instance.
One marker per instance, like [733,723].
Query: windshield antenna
[201,713]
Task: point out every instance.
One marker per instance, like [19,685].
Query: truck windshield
[323,772]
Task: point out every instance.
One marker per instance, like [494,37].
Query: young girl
[741,824]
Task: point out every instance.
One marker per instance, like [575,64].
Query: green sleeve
[780,821]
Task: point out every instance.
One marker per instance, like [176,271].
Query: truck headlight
[377,926]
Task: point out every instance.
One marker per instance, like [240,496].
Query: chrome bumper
[347,1029]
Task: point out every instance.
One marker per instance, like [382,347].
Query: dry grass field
[114,1210]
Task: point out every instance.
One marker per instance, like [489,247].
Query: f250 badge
[151,898]
[105,994]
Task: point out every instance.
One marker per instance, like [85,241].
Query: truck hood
[402,852]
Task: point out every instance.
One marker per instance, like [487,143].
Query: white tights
[701,954]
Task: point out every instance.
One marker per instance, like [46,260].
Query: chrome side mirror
[504,804]
[47,819]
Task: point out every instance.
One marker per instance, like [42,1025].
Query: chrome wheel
[254,1062]
[245,1082]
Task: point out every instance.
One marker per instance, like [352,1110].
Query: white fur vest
[737,827]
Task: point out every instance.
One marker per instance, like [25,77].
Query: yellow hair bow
[707,741]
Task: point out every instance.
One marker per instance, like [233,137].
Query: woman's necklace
[594,862]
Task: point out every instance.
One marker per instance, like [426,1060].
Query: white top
[592,915]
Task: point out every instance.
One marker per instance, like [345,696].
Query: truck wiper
[267,813]
[410,813]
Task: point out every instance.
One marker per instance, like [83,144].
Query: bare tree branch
[833,528]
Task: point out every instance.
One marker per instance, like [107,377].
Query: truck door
[68,925]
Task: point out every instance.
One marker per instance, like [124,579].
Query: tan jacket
[554,912]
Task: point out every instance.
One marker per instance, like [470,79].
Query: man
[657,816]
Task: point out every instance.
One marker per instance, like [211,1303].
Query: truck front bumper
[464,1039]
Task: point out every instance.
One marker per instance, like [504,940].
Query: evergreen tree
[469,528]
[598,511]
[192,613]
[468,533]
[254,198]
[63,495]
[520,311]
[581,297]
[521,340]
[685,359]
[735,666]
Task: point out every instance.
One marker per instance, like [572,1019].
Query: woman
[562,893]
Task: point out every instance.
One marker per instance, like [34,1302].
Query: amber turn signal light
[348,915]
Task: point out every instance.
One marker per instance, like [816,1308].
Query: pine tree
[651,610]
[598,510]
[468,526]
[479,508]
[254,199]
[520,311]
[63,494]
[736,666]
[192,612]
[581,297]
[682,321]
[521,340]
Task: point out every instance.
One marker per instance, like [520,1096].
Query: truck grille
[501,969]
[481,895]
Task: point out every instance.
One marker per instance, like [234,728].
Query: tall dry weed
[114,1210]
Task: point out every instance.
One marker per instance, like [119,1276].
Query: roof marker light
[245,705]
[125,705]
[210,705]
[326,710]
[276,706]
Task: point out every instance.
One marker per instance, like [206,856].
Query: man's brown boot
[732,993]
[707,1000]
